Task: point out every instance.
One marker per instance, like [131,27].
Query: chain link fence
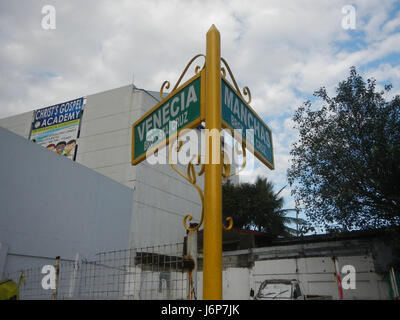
[151,273]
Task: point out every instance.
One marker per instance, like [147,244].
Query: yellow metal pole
[212,244]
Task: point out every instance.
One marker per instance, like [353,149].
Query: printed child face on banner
[51,147]
[60,147]
[69,148]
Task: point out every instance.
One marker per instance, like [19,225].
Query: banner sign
[56,127]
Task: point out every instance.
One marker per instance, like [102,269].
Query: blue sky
[282,50]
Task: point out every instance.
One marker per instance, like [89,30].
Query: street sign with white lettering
[181,109]
[237,114]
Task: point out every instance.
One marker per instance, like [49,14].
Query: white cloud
[281,50]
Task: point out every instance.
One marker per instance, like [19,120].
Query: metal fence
[151,273]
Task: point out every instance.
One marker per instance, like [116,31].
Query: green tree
[345,170]
[257,207]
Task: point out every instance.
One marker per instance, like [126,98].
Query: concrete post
[191,253]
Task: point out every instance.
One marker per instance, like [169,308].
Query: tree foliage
[257,207]
[345,170]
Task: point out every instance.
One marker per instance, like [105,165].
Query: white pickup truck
[284,290]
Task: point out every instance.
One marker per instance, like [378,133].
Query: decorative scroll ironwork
[246,90]
[166,84]
[226,168]
[191,173]
[191,178]
[230,225]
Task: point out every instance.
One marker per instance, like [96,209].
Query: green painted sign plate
[181,109]
[237,114]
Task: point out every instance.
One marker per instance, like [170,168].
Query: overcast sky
[282,50]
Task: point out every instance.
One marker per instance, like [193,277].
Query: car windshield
[275,291]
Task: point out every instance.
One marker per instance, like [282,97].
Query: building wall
[311,264]
[162,198]
[19,124]
[51,206]
[316,276]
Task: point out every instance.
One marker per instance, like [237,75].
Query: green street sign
[237,114]
[181,109]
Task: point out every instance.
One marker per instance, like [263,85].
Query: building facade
[162,198]
[51,206]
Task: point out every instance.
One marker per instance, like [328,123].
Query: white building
[161,198]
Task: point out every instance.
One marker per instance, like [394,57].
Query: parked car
[284,290]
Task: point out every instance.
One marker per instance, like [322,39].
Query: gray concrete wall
[311,264]
[51,206]
[162,198]
[20,124]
